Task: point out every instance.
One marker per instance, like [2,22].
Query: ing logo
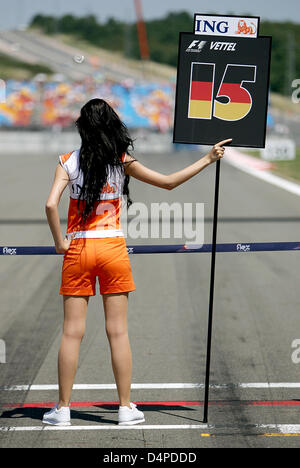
[243,28]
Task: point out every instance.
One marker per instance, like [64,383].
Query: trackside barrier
[177,248]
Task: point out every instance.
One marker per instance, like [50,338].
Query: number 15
[232,102]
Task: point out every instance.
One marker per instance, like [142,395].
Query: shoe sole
[57,423]
[131,423]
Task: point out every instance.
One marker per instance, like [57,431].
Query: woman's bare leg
[75,308]
[115,309]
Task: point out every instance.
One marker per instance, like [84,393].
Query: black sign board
[222,90]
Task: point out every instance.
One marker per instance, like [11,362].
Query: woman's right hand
[65,245]
[217,151]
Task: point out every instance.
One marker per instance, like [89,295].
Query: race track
[256,320]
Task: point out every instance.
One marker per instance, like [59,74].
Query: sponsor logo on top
[226,26]
[246,29]
[109,188]
[106,189]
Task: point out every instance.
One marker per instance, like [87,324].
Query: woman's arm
[61,180]
[139,171]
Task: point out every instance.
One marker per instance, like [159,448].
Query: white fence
[12,142]
[34,142]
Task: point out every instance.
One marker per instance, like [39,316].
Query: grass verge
[288,169]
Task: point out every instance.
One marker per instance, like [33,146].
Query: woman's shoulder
[70,161]
[64,158]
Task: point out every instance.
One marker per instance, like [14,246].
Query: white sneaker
[58,417]
[129,417]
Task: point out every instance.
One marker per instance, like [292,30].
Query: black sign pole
[211,292]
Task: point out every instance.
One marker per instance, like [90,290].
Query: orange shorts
[105,258]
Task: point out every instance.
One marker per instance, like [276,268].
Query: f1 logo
[196,43]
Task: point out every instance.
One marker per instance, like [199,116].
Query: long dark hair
[104,140]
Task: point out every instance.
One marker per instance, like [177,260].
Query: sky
[16,13]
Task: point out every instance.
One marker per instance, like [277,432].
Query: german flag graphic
[201,91]
[238,102]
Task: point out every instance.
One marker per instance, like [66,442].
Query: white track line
[279,428]
[161,386]
[105,386]
[105,428]
[283,428]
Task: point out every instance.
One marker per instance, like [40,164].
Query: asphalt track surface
[256,319]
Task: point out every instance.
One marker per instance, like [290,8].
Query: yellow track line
[280,434]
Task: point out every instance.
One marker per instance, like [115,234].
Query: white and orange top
[105,218]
